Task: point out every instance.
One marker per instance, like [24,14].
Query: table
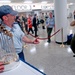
[22,69]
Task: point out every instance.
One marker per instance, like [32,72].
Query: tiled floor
[50,58]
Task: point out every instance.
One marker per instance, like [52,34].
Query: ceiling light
[5,1]
[70,3]
[27,1]
[44,2]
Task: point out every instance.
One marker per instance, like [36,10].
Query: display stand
[22,69]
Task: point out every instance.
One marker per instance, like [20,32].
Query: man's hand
[1,67]
[36,41]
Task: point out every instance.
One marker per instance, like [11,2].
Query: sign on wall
[29,7]
[47,7]
[19,7]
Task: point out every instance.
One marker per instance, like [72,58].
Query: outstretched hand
[36,41]
[1,67]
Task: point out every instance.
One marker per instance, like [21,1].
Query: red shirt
[29,23]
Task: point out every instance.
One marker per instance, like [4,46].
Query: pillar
[60,10]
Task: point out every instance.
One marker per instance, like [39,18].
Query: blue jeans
[21,56]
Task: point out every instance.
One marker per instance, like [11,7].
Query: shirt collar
[7,27]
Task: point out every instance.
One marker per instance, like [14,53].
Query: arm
[24,38]
[27,40]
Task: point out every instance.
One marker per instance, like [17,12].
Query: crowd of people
[31,23]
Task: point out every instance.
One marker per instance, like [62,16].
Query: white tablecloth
[22,69]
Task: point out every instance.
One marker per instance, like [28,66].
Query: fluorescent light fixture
[5,1]
[71,3]
[27,1]
[44,2]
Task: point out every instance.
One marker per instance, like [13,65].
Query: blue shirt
[50,22]
[17,36]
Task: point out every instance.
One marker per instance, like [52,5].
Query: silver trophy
[7,51]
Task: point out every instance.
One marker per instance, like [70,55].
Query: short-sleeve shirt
[50,22]
[17,36]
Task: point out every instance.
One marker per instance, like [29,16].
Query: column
[60,9]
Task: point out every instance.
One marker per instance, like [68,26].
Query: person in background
[24,18]
[1,67]
[42,21]
[50,22]
[74,14]
[37,22]
[29,21]
[72,40]
[46,16]
[34,25]
[19,22]
[8,15]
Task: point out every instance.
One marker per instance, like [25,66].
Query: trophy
[7,51]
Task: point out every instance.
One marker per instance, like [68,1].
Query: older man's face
[10,18]
[50,14]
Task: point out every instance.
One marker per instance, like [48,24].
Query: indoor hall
[46,58]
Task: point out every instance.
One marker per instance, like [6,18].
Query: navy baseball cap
[6,9]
